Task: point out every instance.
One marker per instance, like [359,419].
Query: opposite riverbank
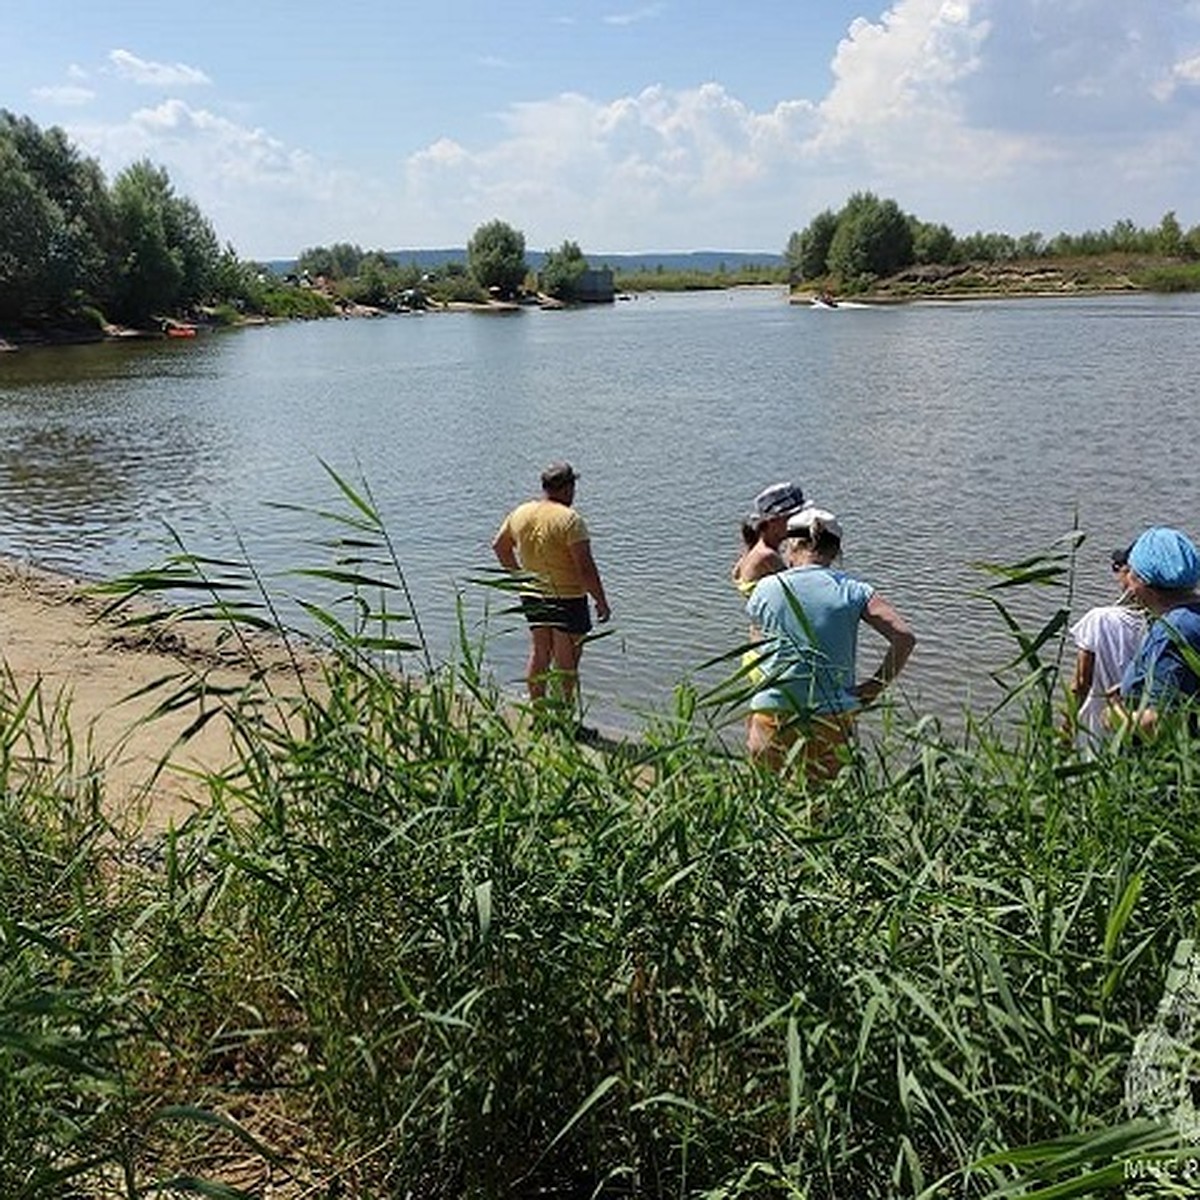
[1024,279]
[1038,278]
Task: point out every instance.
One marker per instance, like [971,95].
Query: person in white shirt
[1106,638]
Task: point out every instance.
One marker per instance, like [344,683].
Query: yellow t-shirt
[544,532]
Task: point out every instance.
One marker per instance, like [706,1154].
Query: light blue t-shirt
[809,621]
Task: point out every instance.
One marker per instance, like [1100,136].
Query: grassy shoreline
[407,948]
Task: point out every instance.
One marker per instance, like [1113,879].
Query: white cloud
[68,95]
[992,114]
[129,66]
[895,81]
[1185,73]
[928,106]
[267,198]
[634,16]
[570,166]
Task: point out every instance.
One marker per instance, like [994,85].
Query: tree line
[496,266]
[870,239]
[71,243]
[75,249]
[74,246]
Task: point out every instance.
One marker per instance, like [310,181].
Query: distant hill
[705,261]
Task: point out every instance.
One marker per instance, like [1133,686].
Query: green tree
[68,240]
[149,271]
[1123,236]
[1031,245]
[374,283]
[194,241]
[1169,236]
[496,257]
[873,239]
[1191,243]
[54,221]
[562,271]
[28,227]
[807,253]
[315,260]
[167,255]
[988,247]
[933,243]
[339,261]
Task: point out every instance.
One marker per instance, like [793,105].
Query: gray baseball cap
[779,500]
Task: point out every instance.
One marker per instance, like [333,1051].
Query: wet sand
[55,637]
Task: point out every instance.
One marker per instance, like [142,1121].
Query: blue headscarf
[1165,558]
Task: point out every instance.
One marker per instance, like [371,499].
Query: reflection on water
[941,434]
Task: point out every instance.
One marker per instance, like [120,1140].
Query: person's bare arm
[505,550]
[1141,721]
[1080,686]
[1085,672]
[581,552]
[890,625]
[760,562]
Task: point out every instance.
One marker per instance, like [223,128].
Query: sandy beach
[56,638]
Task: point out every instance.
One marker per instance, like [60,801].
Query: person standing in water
[768,524]
[548,543]
[809,617]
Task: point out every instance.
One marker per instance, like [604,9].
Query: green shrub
[456,289]
[487,962]
[92,316]
[287,302]
[225,314]
[1183,277]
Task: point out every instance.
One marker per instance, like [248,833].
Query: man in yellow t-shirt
[548,542]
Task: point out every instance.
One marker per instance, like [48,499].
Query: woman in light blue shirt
[809,616]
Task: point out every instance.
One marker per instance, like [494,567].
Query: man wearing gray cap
[548,543]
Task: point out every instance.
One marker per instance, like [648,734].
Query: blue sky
[639,126]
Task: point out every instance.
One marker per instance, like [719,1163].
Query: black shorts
[570,614]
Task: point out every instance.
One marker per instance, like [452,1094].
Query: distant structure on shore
[594,286]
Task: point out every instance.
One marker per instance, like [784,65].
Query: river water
[941,434]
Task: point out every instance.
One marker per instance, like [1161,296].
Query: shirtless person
[772,507]
[548,541]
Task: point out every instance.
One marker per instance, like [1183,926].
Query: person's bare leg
[541,656]
[826,748]
[762,743]
[568,649]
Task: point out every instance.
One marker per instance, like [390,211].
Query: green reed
[468,960]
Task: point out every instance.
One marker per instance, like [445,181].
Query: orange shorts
[770,735]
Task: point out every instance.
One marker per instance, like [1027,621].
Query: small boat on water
[180,331]
[824,300]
